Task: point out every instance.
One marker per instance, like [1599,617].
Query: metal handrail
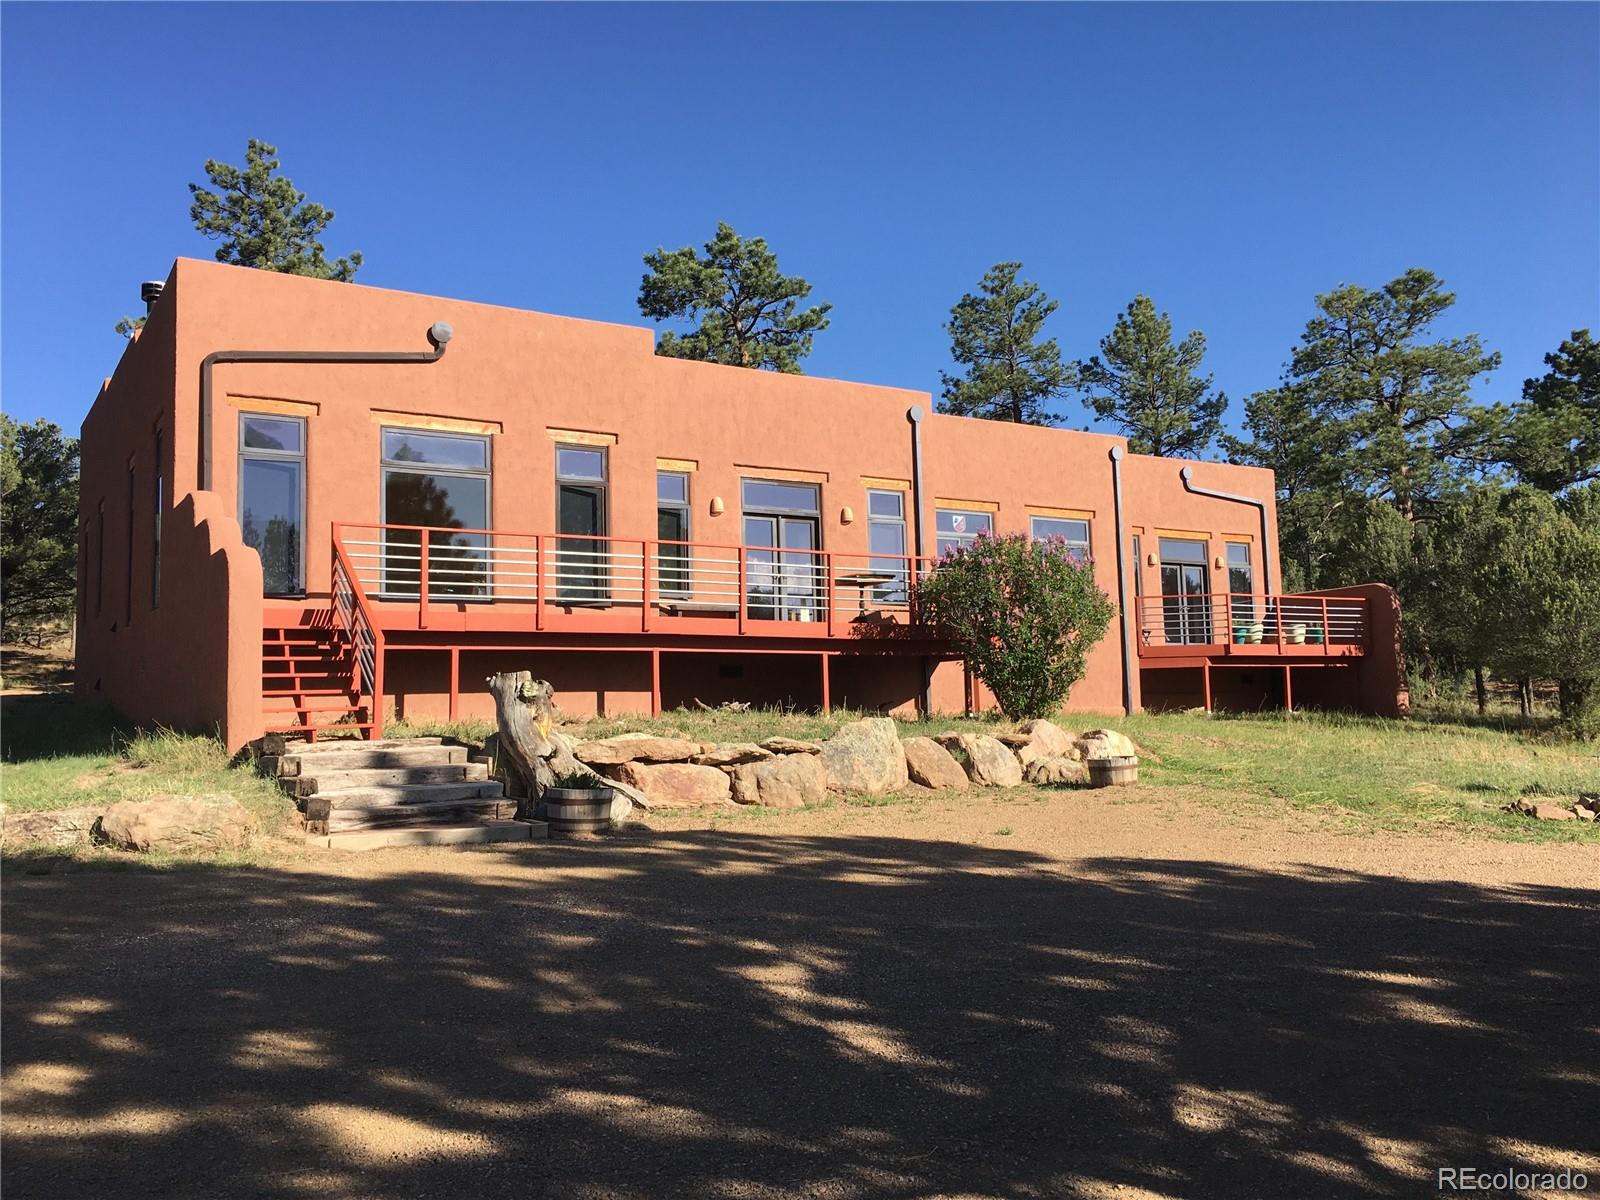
[1253,619]
[354,614]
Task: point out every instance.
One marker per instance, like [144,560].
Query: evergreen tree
[263,221]
[38,527]
[1013,373]
[1555,431]
[1396,407]
[1150,388]
[749,314]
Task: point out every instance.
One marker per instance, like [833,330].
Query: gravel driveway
[1065,997]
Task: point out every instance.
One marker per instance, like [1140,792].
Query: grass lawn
[58,754]
[1361,775]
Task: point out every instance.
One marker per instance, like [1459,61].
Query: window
[581,551]
[272,498]
[440,482]
[1241,581]
[158,501]
[99,558]
[782,533]
[672,525]
[1185,592]
[127,576]
[1138,569]
[886,538]
[958,527]
[1074,533]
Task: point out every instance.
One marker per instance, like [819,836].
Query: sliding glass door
[1185,592]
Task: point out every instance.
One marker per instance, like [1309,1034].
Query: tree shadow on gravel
[739,1014]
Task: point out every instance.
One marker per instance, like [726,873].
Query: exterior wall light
[846,515]
[717,507]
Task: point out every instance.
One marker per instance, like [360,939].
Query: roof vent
[150,292]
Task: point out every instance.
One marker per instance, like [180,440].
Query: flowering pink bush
[1023,613]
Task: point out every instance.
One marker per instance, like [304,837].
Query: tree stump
[530,749]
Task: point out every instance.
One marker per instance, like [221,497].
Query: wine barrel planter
[1110,772]
[578,810]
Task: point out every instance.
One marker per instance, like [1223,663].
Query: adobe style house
[307,503]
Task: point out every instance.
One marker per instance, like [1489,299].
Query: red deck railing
[412,576]
[1244,625]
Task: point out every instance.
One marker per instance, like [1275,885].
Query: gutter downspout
[1187,475]
[914,415]
[439,334]
[1122,581]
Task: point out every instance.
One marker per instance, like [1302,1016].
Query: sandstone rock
[177,824]
[1105,743]
[988,762]
[57,827]
[932,766]
[731,754]
[1045,740]
[673,785]
[865,756]
[1015,741]
[1553,812]
[785,745]
[1056,770]
[787,781]
[635,747]
[1586,814]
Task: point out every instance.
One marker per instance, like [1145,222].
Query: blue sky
[1230,161]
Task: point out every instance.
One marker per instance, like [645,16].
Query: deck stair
[409,791]
[308,681]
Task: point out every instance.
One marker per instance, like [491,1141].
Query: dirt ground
[1066,996]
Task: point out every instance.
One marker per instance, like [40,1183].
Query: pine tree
[1150,388]
[1013,372]
[749,314]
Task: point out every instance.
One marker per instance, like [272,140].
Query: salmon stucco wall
[186,655]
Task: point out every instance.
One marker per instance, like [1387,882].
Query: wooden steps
[422,785]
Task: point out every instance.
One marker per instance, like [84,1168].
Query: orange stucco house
[308,503]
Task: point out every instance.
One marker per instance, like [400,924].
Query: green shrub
[1024,613]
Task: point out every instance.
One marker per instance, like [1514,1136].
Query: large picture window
[440,482]
[782,532]
[272,498]
[1074,532]
[1241,582]
[957,527]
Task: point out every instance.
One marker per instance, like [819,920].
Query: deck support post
[1205,682]
[655,683]
[827,696]
[1288,689]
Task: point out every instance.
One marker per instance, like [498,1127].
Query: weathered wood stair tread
[410,794]
[366,777]
[475,833]
[343,819]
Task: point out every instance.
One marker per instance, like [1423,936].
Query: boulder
[1105,743]
[865,756]
[635,747]
[630,794]
[988,762]
[786,781]
[1045,740]
[931,765]
[177,824]
[731,754]
[673,785]
[1056,770]
[786,745]
[1016,741]
[1553,812]
[1585,814]
[57,827]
